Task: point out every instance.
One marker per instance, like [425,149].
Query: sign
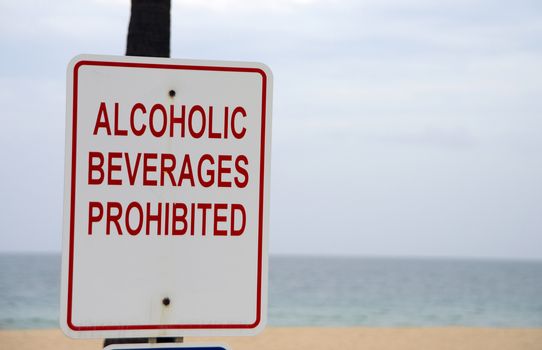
[165,346]
[166,197]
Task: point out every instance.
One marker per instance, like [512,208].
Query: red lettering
[149,168]
[167,169]
[238,110]
[134,231]
[132,172]
[154,217]
[113,218]
[226,112]
[219,218]
[186,171]
[163,217]
[113,167]
[92,218]
[192,218]
[223,170]
[179,219]
[210,172]
[118,130]
[102,112]
[204,207]
[166,224]
[212,135]
[242,171]
[155,132]
[193,110]
[241,210]
[93,168]
[136,131]
[176,120]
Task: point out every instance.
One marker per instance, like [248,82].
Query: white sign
[166,197]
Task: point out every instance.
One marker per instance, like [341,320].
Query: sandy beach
[317,338]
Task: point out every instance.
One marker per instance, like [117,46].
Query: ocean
[332,291]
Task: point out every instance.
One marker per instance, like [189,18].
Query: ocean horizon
[310,290]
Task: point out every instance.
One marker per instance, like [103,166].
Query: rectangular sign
[166,197]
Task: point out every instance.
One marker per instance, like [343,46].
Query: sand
[316,338]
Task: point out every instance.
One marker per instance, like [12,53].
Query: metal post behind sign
[114,341]
[149,30]
[148,35]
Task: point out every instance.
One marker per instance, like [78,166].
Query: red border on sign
[72,196]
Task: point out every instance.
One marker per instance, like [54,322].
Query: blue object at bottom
[182,348]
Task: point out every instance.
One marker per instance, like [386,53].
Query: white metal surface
[114,285]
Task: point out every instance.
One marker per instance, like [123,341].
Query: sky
[400,128]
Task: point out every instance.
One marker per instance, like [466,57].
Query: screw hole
[166,301]
[171,93]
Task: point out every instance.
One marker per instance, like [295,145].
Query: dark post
[149,30]
[148,35]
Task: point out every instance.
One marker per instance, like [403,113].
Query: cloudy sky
[400,128]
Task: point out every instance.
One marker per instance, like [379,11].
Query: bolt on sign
[166,197]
